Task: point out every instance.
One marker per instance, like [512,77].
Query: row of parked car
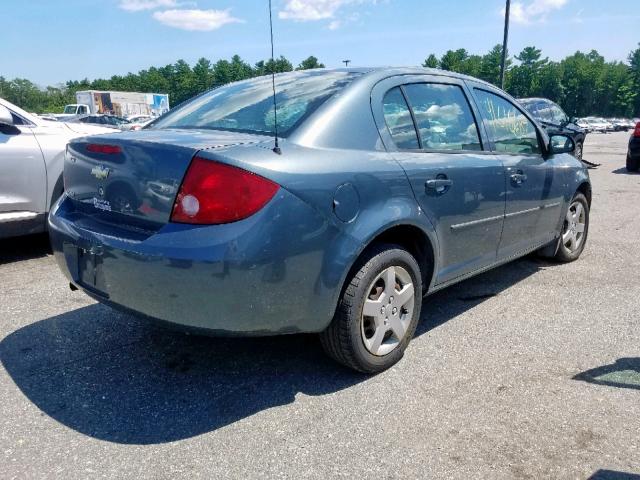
[604,125]
[133,122]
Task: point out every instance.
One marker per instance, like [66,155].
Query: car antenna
[276,148]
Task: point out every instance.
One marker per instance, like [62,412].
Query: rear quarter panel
[381,198]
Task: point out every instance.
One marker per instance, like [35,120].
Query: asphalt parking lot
[529,371]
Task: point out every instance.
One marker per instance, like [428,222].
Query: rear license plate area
[91,270]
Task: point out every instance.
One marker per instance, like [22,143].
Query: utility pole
[503,64]
[346,62]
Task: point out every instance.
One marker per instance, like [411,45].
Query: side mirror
[561,144]
[6,119]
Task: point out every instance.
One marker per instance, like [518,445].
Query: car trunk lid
[132,178]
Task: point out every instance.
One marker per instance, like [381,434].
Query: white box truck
[122,104]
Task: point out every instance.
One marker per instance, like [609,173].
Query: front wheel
[378,311]
[579,150]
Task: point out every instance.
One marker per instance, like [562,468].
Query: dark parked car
[633,155]
[389,184]
[555,121]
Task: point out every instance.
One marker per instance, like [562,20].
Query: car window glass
[557,115]
[248,106]
[542,112]
[398,119]
[17,120]
[443,117]
[509,129]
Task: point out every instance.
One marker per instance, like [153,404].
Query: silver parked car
[31,159]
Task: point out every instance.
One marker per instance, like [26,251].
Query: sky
[51,41]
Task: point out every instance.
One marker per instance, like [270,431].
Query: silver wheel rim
[574,227]
[387,311]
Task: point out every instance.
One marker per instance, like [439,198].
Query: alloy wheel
[574,227]
[387,311]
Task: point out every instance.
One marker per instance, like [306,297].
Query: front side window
[248,106]
[398,119]
[443,117]
[509,129]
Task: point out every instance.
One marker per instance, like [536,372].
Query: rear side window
[398,119]
[443,117]
[509,129]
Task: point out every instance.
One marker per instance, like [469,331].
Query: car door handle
[440,185]
[518,178]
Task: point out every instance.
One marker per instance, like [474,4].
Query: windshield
[70,109]
[248,106]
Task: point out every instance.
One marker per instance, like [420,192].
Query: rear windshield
[248,106]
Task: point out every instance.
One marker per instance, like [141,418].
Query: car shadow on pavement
[613,475]
[624,171]
[120,379]
[24,248]
[625,373]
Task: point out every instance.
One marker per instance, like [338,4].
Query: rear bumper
[261,276]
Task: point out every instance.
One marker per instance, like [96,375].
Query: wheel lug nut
[395,310]
[382,310]
[390,299]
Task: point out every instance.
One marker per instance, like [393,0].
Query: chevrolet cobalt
[385,185]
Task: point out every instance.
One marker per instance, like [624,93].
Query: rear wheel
[633,165]
[378,312]
[575,229]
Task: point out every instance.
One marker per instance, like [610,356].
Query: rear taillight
[214,193]
[636,132]
[105,149]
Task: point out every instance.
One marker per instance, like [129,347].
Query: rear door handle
[440,185]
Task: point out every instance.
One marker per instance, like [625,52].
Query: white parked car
[32,153]
[138,121]
[599,125]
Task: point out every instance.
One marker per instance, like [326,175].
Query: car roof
[381,73]
[536,100]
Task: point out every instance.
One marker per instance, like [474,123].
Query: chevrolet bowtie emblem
[100,172]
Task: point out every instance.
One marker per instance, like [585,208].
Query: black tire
[564,254]
[58,190]
[343,339]
[633,165]
[579,150]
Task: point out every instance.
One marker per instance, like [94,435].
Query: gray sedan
[369,190]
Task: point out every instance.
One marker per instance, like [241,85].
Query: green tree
[490,66]
[431,62]
[634,63]
[523,80]
[310,63]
